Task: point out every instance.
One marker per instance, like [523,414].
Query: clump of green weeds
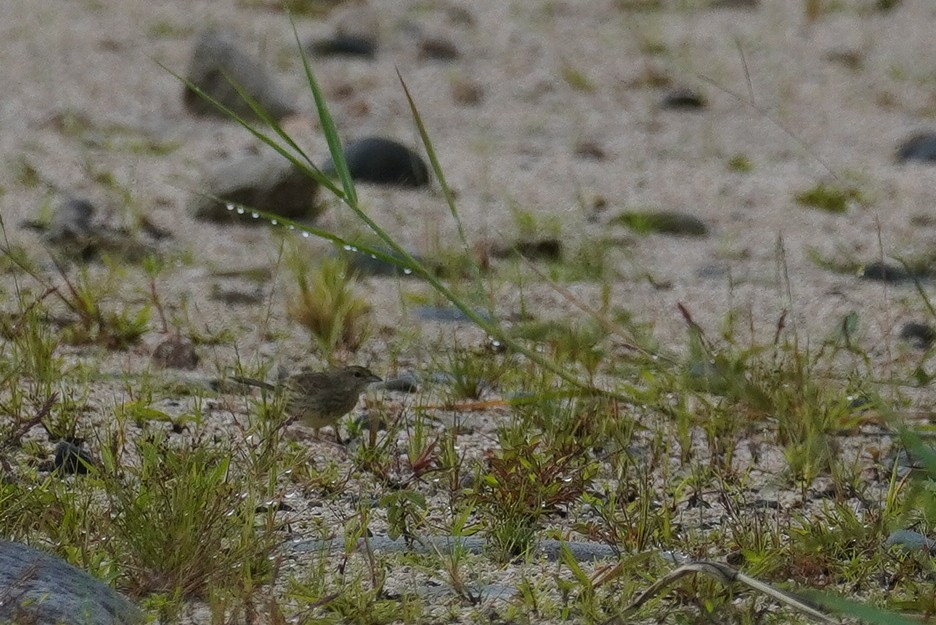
[523,484]
[472,372]
[183,518]
[326,305]
[569,341]
[740,163]
[831,198]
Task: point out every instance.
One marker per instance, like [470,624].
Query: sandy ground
[83,90]
[814,120]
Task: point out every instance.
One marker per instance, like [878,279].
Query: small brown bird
[320,398]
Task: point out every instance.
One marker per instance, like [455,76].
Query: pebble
[683,99]
[76,235]
[71,459]
[404,383]
[919,147]
[343,45]
[882,271]
[382,161]
[438,49]
[919,335]
[549,248]
[72,219]
[216,61]
[175,352]
[266,182]
[466,92]
[590,150]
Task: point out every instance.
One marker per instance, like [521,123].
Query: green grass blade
[434,161]
[858,610]
[328,127]
[303,164]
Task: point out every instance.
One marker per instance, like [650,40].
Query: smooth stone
[403,383]
[266,182]
[920,335]
[234,297]
[466,91]
[909,540]
[590,150]
[74,233]
[70,220]
[884,272]
[382,161]
[343,45]
[919,147]
[712,271]
[175,352]
[216,61]
[71,459]
[683,99]
[438,49]
[48,590]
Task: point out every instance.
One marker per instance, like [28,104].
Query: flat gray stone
[216,61]
[39,588]
[265,182]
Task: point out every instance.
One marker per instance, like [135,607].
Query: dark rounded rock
[382,161]
[70,458]
[683,99]
[404,383]
[77,236]
[216,62]
[882,271]
[343,45]
[590,149]
[919,147]
[72,218]
[41,588]
[266,182]
[466,91]
[438,49]
[175,352]
[920,335]
[712,271]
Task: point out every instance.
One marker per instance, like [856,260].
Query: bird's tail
[253,382]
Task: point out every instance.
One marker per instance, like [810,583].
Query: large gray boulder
[36,587]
